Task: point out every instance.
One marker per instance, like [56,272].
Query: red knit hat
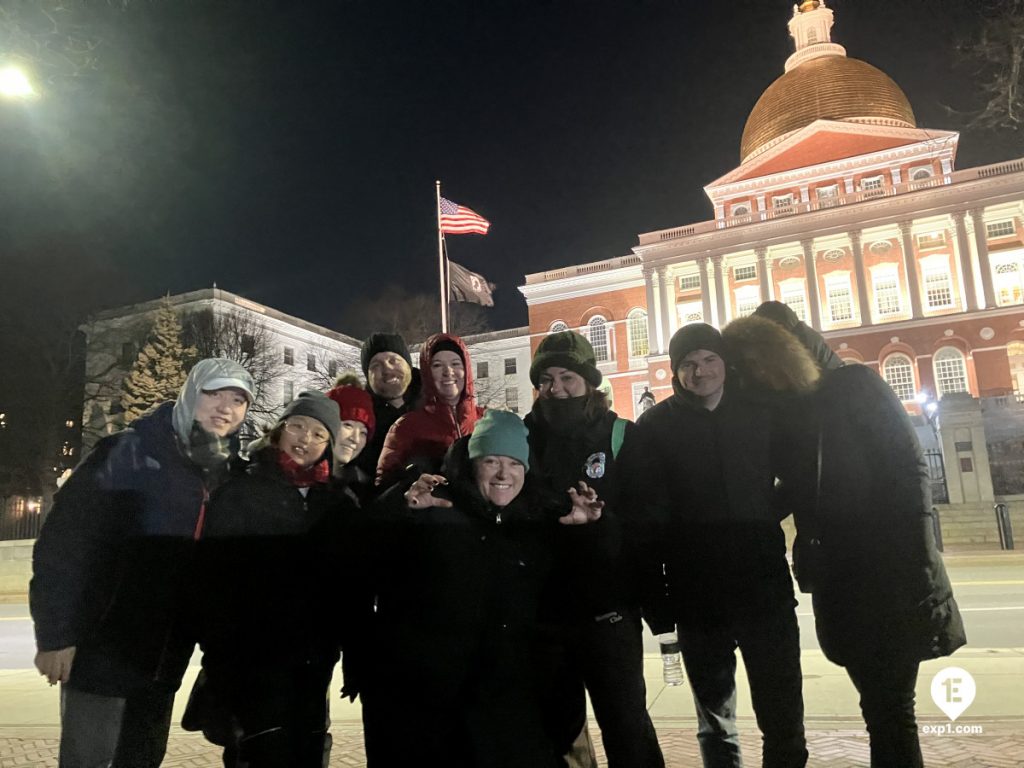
[355,404]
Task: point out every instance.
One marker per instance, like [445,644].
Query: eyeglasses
[316,437]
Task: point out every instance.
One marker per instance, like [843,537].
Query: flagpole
[441,271]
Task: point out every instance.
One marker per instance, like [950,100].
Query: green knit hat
[566,349]
[500,433]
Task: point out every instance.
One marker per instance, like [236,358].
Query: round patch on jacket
[595,465]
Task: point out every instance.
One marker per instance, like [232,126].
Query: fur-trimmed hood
[767,357]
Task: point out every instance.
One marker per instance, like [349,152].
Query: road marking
[1006,583]
[998,608]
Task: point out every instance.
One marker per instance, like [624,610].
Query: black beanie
[692,337]
[315,405]
[383,342]
[566,349]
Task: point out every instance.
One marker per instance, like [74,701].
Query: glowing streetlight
[14,84]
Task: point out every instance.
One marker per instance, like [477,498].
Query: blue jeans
[770,645]
[110,732]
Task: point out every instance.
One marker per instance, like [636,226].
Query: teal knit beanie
[566,349]
[500,433]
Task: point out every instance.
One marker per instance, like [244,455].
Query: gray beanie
[315,405]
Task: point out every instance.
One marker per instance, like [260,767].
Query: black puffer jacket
[567,447]
[279,580]
[883,586]
[456,626]
[112,560]
[706,478]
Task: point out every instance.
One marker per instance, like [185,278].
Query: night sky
[287,150]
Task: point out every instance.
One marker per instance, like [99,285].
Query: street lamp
[14,84]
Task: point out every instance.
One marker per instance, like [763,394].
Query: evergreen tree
[159,371]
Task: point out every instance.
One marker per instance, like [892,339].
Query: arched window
[598,332]
[950,371]
[557,327]
[898,373]
[636,323]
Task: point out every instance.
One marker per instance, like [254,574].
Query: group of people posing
[479,575]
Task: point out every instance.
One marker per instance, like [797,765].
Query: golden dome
[824,88]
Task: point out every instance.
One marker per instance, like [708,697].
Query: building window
[310,362]
[938,288]
[741,209]
[691,312]
[689,283]
[887,294]
[874,184]
[840,299]
[950,371]
[636,325]
[747,300]
[795,298]
[1015,353]
[782,201]
[248,344]
[830,192]
[812,36]
[482,371]
[289,356]
[332,369]
[921,173]
[1008,285]
[931,240]
[557,327]
[748,272]
[1003,228]
[512,399]
[288,392]
[598,332]
[898,373]
[510,366]
[880,247]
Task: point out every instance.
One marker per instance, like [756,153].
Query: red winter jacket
[429,431]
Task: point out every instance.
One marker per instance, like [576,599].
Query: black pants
[606,657]
[886,689]
[770,644]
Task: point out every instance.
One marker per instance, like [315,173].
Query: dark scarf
[303,477]
[563,416]
[208,452]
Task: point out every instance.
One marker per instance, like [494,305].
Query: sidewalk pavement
[29,718]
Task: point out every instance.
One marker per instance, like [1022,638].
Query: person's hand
[421,493]
[586,508]
[55,666]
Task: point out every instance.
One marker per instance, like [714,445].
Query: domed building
[847,211]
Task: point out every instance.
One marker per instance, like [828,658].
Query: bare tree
[996,59]
[414,315]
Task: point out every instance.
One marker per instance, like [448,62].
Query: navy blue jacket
[113,557]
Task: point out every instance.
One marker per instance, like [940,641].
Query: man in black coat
[865,547]
[707,500]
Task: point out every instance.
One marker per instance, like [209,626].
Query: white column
[811,276]
[762,272]
[705,289]
[862,278]
[981,243]
[668,304]
[719,288]
[963,247]
[910,266]
[653,326]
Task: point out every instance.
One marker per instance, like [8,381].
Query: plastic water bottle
[671,658]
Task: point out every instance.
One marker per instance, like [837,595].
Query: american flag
[459,220]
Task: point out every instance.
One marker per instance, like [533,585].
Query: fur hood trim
[768,357]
